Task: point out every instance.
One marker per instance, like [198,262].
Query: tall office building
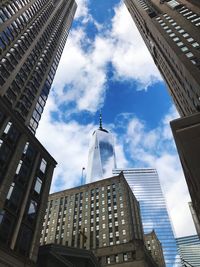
[145,185]
[32,38]
[101,158]
[102,216]
[189,248]
[170,29]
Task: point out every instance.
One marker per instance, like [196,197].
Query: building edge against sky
[145,184]
[170,30]
[31,43]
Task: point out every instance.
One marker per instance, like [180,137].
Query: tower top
[100,121]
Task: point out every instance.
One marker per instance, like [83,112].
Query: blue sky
[105,65]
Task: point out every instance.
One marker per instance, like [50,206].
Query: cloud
[82,75]
[130,58]
[82,11]
[155,148]
[81,84]
[68,143]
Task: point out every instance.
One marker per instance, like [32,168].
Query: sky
[106,66]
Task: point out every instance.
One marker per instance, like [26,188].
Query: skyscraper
[32,38]
[189,248]
[145,185]
[101,158]
[170,30]
[102,216]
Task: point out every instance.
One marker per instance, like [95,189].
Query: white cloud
[68,143]
[155,148]
[131,58]
[82,73]
[82,9]
[82,79]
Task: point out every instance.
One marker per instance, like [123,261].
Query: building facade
[32,37]
[101,216]
[170,30]
[189,248]
[26,170]
[154,247]
[101,158]
[145,184]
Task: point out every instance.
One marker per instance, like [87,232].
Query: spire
[100,121]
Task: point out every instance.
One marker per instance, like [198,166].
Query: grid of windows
[31,45]
[89,219]
[146,187]
[181,38]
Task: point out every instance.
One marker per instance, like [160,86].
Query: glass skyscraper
[101,158]
[189,248]
[145,185]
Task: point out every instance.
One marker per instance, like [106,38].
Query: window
[184,48]
[38,185]
[185,35]
[181,31]
[172,34]
[116,258]
[43,165]
[190,39]
[108,260]
[125,257]
[7,128]
[124,232]
[189,55]
[180,43]
[176,39]
[32,210]
[195,44]
[19,167]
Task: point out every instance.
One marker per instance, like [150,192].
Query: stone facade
[154,247]
[102,216]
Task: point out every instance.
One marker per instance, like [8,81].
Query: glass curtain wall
[146,187]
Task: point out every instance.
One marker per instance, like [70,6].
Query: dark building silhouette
[61,256]
[186,132]
[32,37]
